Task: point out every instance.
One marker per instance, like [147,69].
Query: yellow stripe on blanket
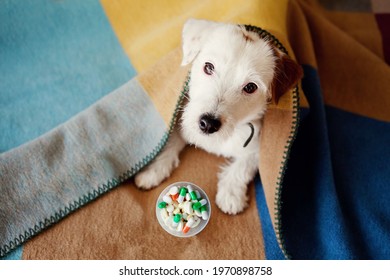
[164,82]
[148,30]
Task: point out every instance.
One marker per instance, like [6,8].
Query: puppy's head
[234,74]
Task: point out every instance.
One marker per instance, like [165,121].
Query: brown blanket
[121,224]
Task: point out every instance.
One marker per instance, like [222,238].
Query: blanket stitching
[264,34]
[92,195]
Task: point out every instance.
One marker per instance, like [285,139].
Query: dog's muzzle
[209,123]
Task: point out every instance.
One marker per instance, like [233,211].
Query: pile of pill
[183,208]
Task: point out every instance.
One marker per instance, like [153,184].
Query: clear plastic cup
[173,231]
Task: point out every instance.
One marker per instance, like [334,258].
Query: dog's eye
[250,88]
[208,68]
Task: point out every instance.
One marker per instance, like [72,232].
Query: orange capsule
[175,196]
[188,225]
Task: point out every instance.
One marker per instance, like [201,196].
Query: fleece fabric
[89,93]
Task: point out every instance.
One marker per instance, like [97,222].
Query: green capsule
[183,191]
[192,193]
[177,218]
[182,195]
[196,205]
[205,213]
[199,204]
[162,205]
[199,197]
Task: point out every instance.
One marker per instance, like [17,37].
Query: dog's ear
[195,32]
[287,75]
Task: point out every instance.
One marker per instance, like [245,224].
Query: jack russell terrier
[234,75]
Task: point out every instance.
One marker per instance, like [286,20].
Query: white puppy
[234,75]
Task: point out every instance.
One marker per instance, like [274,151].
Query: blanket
[89,95]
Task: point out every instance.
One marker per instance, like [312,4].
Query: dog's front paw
[232,201]
[148,179]
[156,172]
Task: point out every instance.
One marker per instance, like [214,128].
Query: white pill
[198,195]
[168,222]
[167,199]
[164,213]
[189,217]
[170,208]
[196,223]
[190,222]
[176,211]
[188,197]
[205,215]
[174,190]
[198,213]
[180,199]
[180,226]
[203,202]
[188,207]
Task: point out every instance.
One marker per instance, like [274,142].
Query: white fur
[238,60]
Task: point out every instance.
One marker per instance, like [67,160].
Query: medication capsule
[167,199]
[205,213]
[167,222]
[198,213]
[196,223]
[174,196]
[192,192]
[162,204]
[189,217]
[188,197]
[180,226]
[174,190]
[177,211]
[199,204]
[176,220]
[199,197]
[188,207]
[164,214]
[188,225]
[182,195]
[170,208]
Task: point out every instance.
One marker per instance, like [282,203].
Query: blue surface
[56,59]
[336,189]
[272,249]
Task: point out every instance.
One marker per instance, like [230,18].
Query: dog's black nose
[209,123]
